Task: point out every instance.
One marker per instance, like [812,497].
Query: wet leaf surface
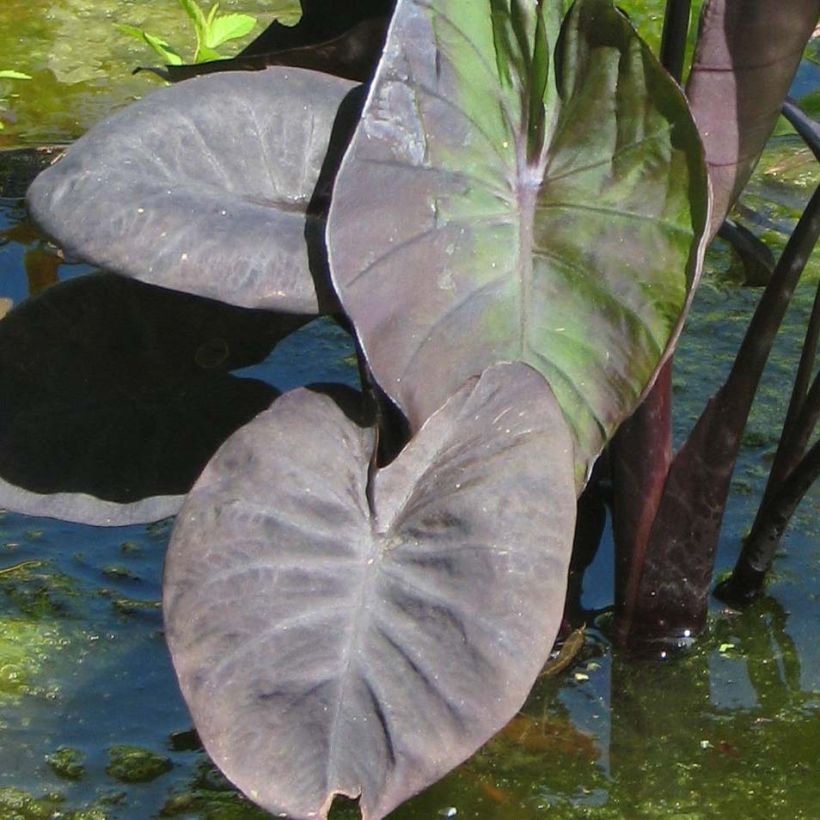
[207,187]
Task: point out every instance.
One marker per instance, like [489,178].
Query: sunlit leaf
[340,633]
[208,187]
[196,16]
[166,51]
[494,207]
[228,27]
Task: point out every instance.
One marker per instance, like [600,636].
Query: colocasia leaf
[513,193]
[337,632]
[207,187]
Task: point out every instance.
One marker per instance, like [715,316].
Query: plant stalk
[641,451]
[641,456]
[749,575]
[806,126]
[673,39]
[670,601]
[804,407]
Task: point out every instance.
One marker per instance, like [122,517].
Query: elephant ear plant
[514,235]
[667,512]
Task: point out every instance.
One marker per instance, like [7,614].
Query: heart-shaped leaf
[335,635]
[117,393]
[208,187]
[745,60]
[499,203]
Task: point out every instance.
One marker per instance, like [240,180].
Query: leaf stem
[672,595]
[673,39]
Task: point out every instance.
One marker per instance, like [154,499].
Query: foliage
[497,242]
[668,510]
[415,603]
[212,31]
[11,74]
[514,235]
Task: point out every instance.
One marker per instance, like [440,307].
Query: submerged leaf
[339,635]
[207,187]
[548,213]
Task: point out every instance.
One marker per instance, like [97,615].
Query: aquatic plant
[667,511]
[10,74]
[211,31]
[360,591]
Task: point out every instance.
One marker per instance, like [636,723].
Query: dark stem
[804,407]
[741,385]
[642,449]
[671,600]
[641,455]
[749,576]
[673,40]
[807,127]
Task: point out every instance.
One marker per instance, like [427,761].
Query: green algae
[31,633]
[16,804]
[81,66]
[777,193]
[210,796]
[25,649]
[67,763]
[133,764]
[132,606]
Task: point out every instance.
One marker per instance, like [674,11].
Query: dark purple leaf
[746,56]
[339,634]
[207,187]
[353,54]
[497,204]
[321,20]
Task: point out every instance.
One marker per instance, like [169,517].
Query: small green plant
[9,74]
[212,31]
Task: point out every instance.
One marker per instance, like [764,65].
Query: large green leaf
[507,197]
[339,629]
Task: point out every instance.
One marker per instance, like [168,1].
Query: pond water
[92,724]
